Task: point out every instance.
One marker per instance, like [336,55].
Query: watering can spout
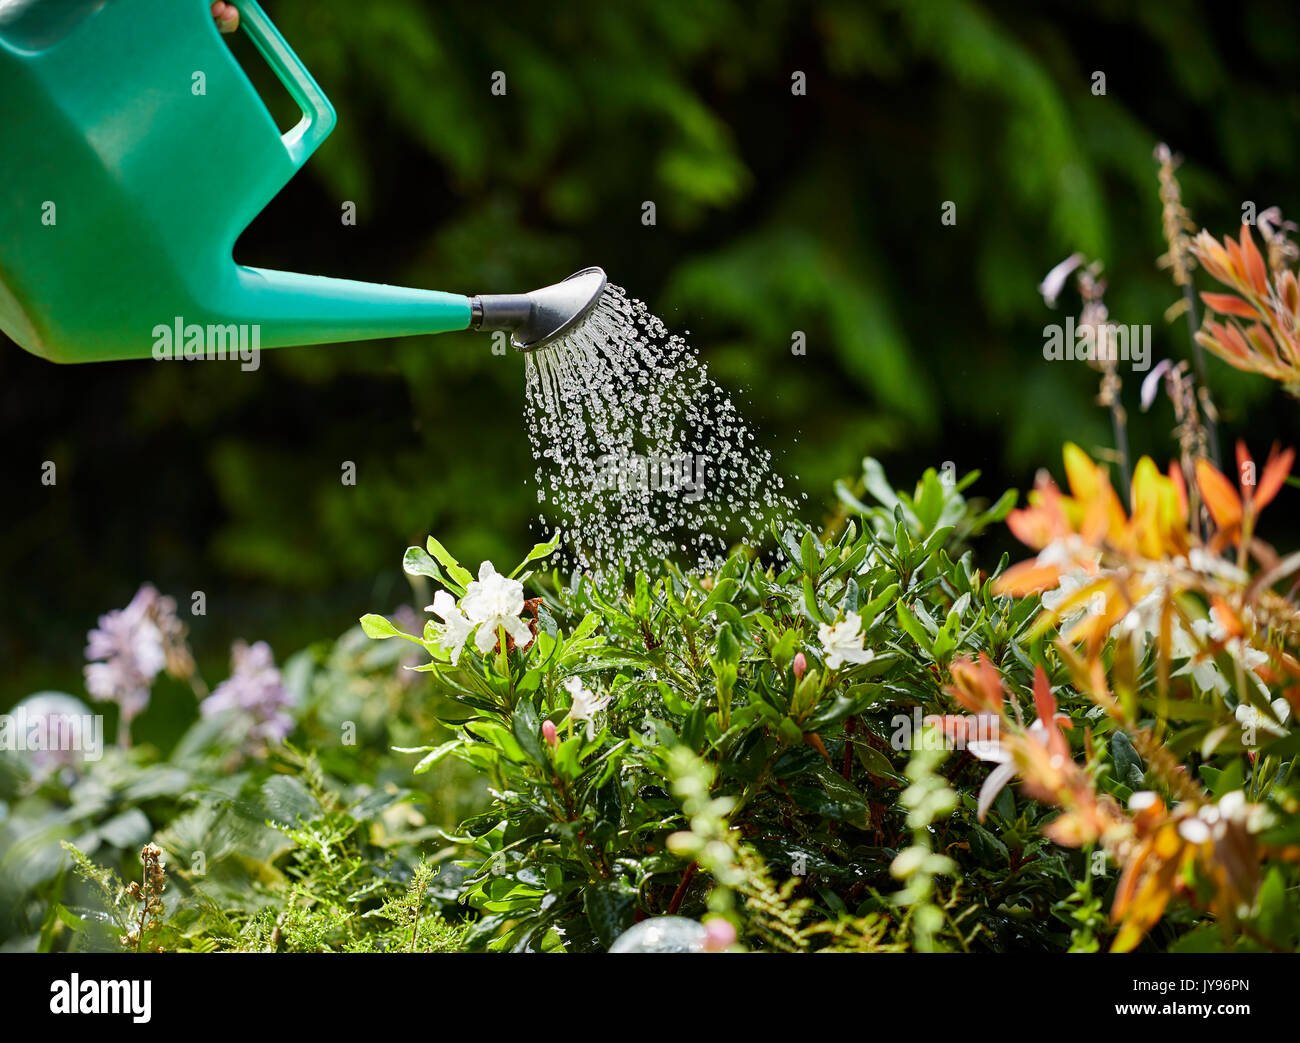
[112,159]
[542,316]
[311,309]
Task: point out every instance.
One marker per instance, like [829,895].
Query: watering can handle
[317,113]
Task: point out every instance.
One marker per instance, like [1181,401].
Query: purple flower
[126,652]
[254,694]
[1054,282]
[1151,384]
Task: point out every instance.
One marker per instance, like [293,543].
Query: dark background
[776,213]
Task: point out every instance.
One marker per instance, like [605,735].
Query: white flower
[993,751]
[1253,720]
[1206,672]
[1223,823]
[586,704]
[1069,553]
[494,601]
[1070,584]
[1142,622]
[1212,565]
[843,642]
[456,628]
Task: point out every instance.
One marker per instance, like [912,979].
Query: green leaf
[458,572]
[728,648]
[378,627]
[435,755]
[1128,764]
[1277,916]
[914,629]
[876,762]
[527,730]
[871,611]
[417,563]
[610,906]
[810,600]
[723,591]
[1000,509]
[873,478]
[127,830]
[808,555]
[381,629]
[539,551]
[285,800]
[500,737]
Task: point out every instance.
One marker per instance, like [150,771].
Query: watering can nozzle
[539,317]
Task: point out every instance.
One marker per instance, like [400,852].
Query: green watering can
[124,188]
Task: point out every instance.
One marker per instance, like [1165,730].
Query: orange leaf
[1027,577]
[1044,700]
[976,685]
[1036,526]
[1084,476]
[1180,488]
[1236,262]
[963,729]
[1245,466]
[1045,705]
[1263,341]
[1219,496]
[1232,339]
[1254,263]
[1290,294]
[1274,477]
[1229,304]
[1212,256]
[1227,618]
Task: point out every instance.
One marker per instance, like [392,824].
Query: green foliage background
[776,214]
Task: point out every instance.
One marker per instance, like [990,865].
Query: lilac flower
[126,651]
[1151,383]
[255,694]
[1054,282]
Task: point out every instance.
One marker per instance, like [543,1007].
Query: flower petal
[998,778]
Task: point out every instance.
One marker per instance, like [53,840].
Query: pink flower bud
[719,935]
[549,734]
[799,666]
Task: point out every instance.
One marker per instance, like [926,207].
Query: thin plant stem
[676,902]
[1119,427]
[1198,359]
[1109,396]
